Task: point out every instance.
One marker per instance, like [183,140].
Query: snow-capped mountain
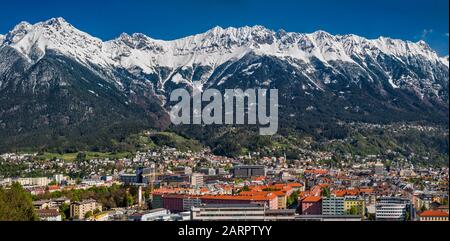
[211,49]
[445,60]
[344,77]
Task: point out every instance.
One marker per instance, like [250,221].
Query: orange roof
[433,213]
[70,187]
[343,193]
[316,191]
[317,171]
[366,190]
[53,187]
[260,193]
[247,198]
[167,190]
[312,199]
[295,184]
[259,178]
[204,190]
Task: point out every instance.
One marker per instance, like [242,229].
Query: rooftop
[312,199]
[433,213]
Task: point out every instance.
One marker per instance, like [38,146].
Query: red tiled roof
[433,213]
[312,199]
[316,171]
[231,197]
[53,187]
[296,184]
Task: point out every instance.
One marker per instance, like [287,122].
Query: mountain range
[60,86]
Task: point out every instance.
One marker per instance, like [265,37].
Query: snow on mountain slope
[33,41]
[212,48]
[445,60]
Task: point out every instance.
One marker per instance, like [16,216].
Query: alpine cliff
[60,86]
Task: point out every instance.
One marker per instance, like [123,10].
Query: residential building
[333,206]
[282,199]
[433,215]
[354,206]
[51,203]
[78,210]
[51,215]
[248,171]
[197,180]
[311,205]
[37,181]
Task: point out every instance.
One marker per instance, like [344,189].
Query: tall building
[197,180]
[310,206]
[333,206]
[393,208]
[78,210]
[58,178]
[249,171]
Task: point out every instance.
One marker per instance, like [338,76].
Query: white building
[391,208]
[37,181]
[197,180]
[151,215]
[58,178]
[50,215]
[228,212]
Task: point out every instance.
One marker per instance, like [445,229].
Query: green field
[89,155]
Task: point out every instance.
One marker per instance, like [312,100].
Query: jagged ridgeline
[62,88]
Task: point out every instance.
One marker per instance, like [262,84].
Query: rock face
[58,83]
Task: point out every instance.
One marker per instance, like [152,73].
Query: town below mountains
[64,91]
[172,185]
[85,132]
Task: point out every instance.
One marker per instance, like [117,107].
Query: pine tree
[16,204]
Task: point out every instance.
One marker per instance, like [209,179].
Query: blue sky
[106,19]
